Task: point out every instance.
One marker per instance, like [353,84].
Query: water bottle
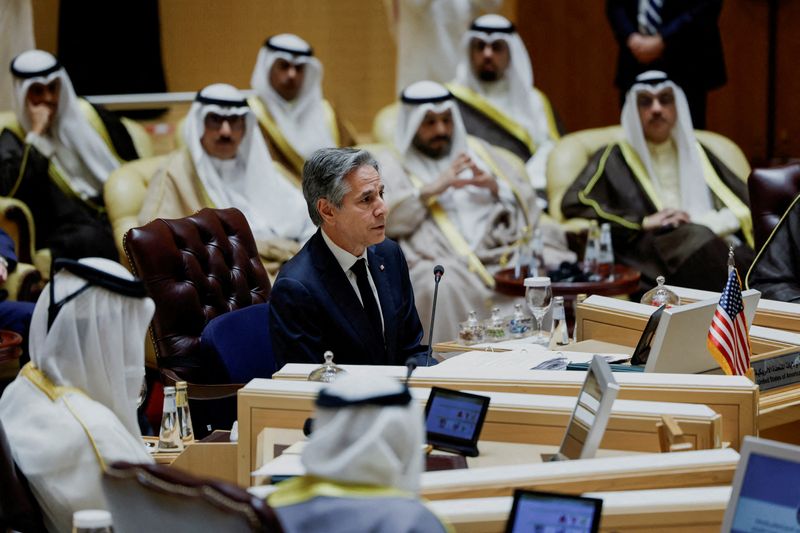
[560,331]
[169,438]
[519,326]
[605,253]
[91,521]
[591,251]
[184,417]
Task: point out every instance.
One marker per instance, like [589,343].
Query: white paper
[283,465]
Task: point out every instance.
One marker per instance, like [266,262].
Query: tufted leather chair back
[771,192]
[160,498]
[195,268]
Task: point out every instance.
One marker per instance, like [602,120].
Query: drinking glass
[538,295]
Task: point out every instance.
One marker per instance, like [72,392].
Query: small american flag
[728,339]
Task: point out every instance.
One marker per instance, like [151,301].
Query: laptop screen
[541,512]
[590,417]
[454,417]
[769,499]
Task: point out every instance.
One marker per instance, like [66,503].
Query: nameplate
[778,371]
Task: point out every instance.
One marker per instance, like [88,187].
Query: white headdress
[70,127]
[96,341]
[513,93]
[416,101]
[470,207]
[250,182]
[367,430]
[695,197]
[93,353]
[302,121]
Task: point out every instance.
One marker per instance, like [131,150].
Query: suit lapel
[342,294]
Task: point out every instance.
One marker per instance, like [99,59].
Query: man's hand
[666,218]
[481,178]
[646,48]
[41,117]
[450,178]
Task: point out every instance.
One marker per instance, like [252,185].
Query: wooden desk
[735,398]
[634,472]
[779,409]
[513,418]
[609,320]
[679,510]
[769,313]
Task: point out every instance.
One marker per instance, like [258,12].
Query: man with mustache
[497,99]
[57,155]
[673,206]
[460,202]
[294,117]
[225,163]
[348,289]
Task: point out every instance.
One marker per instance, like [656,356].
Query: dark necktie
[650,17]
[359,268]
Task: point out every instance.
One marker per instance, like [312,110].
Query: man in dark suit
[348,289]
[679,37]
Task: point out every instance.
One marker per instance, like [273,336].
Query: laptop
[454,419]
[765,495]
[590,417]
[679,344]
[546,512]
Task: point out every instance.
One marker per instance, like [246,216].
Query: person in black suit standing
[679,37]
[348,288]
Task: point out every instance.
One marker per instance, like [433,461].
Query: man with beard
[460,202]
[497,99]
[673,206]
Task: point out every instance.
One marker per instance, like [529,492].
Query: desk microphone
[438,272]
[411,365]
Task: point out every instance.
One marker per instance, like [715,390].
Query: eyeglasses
[498,45]
[214,121]
[645,100]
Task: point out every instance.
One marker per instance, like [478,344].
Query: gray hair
[324,173]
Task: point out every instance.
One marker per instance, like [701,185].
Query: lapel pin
[381,267]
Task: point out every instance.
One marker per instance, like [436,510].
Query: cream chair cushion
[124,194]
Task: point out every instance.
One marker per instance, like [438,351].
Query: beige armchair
[124,194]
[573,152]
[25,283]
[17,221]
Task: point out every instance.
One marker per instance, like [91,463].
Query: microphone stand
[437,278]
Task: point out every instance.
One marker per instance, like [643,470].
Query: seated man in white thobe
[295,118]
[225,163]
[72,409]
[497,99]
[458,201]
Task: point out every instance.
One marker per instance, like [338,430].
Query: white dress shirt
[347,260]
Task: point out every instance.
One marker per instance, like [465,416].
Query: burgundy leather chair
[158,498]
[197,268]
[19,510]
[771,190]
